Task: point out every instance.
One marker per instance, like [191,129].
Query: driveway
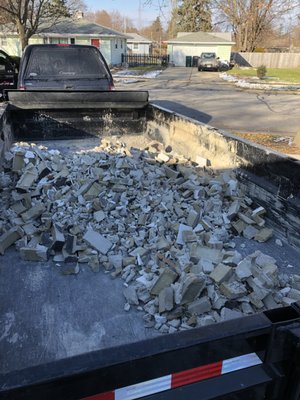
[206,97]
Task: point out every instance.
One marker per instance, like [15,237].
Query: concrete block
[97,241]
[257,286]
[166,299]
[221,273]
[255,300]
[233,209]
[165,279]
[200,306]
[239,226]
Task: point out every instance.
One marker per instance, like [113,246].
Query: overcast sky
[137,10]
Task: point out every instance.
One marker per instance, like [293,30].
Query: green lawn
[273,74]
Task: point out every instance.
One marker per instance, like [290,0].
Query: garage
[186,47]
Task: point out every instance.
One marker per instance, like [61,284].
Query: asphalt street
[205,97]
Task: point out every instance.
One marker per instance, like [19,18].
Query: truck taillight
[22,88]
[62,44]
[111,87]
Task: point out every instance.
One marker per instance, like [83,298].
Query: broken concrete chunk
[69,269]
[221,273]
[165,279]
[228,314]
[181,229]
[57,237]
[33,213]
[192,218]
[28,177]
[38,253]
[166,299]
[10,237]
[99,216]
[243,269]
[200,306]
[201,252]
[97,241]
[233,290]
[131,295]
[191,288]
[263,235]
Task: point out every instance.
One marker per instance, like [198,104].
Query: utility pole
[140,15]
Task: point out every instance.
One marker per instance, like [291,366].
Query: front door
[95,42]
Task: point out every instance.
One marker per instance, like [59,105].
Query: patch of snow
[133,74]
[245,84]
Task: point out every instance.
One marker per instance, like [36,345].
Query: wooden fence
[270,60]
[143,59]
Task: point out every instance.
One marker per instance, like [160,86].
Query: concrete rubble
[160,222]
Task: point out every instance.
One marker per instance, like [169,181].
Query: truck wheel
[199,69]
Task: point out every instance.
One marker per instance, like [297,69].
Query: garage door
[180,52]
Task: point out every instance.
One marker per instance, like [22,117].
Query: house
[138,44]
[70,31]
[188,45]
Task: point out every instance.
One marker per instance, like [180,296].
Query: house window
[3,41]
[58,40]
[135,46]
[121,44]
[116,43]
[72,40]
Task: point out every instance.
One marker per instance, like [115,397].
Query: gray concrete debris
[165,279]
[10,237]
[221,273]
[97,241]
[160,222]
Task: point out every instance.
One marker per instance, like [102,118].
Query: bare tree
[28,15]
[250,19]
[194,15]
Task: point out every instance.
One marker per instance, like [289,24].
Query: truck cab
[64,67]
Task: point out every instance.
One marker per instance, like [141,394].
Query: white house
[138,44]
[188,45]
[70,31]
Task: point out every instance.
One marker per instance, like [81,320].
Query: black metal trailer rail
[255,357]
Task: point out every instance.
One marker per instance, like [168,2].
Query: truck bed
[72,321]
[47,316]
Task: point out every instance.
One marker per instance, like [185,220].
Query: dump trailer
[69,337]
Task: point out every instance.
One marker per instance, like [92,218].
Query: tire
[199,69]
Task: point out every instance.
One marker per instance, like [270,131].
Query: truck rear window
[64,63]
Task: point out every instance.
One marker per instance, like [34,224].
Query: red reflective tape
[102,396]
[196,374]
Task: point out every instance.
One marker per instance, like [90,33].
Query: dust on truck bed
[190,221]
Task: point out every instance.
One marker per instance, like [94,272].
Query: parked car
[209,62]
[8,72]
[64,67]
